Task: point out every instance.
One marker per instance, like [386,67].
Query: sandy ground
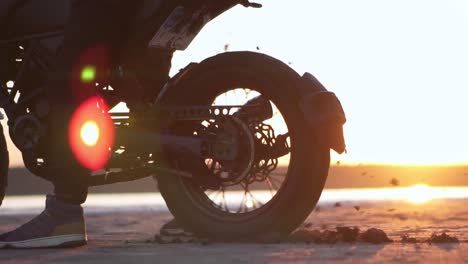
[128,237]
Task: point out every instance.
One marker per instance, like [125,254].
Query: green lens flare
[88,74]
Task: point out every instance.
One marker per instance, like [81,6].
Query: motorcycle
[239,144]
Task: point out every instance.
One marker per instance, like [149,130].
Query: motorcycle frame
[172,32]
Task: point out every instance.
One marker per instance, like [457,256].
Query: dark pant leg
[96,32]
[151,69]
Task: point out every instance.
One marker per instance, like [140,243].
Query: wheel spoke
[270,133]
[215,197]
[225,206]
[274,180]
[242,204]
[256,203]
[212,166]
[271,186]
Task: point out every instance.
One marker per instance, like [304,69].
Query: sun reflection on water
[420,194]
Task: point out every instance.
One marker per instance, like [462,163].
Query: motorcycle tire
[309,160]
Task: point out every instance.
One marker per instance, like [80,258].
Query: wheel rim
[253,196]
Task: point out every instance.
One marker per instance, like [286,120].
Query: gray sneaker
[59,225]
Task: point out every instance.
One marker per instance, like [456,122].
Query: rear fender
[185,22]
[323,112]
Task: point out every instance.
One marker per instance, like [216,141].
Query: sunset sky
[399,67]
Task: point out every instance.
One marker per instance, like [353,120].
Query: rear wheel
[280,172]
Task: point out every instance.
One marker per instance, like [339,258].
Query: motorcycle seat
[23,17]
[6,6]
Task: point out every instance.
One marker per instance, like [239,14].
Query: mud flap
[323,112]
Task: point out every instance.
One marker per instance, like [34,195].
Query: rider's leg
[97,47]
[95,32]
[151,68]
[94,36]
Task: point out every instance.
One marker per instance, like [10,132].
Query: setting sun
[419,194]
[90,133]
[402,82]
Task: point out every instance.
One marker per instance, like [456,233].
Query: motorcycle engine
[26,132]
[6,72]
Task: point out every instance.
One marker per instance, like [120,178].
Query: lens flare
[91,133]
[88,74]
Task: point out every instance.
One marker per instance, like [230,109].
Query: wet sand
[117,236]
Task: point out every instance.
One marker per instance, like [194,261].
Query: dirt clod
[307,236]
[394,182]
[348,234]
[342,234]
[329,237]
[408,239]
[442,238]
[374,236]
[172,233]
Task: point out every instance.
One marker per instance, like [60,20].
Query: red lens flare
[91,133]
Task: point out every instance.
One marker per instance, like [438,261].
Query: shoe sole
[64,241]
